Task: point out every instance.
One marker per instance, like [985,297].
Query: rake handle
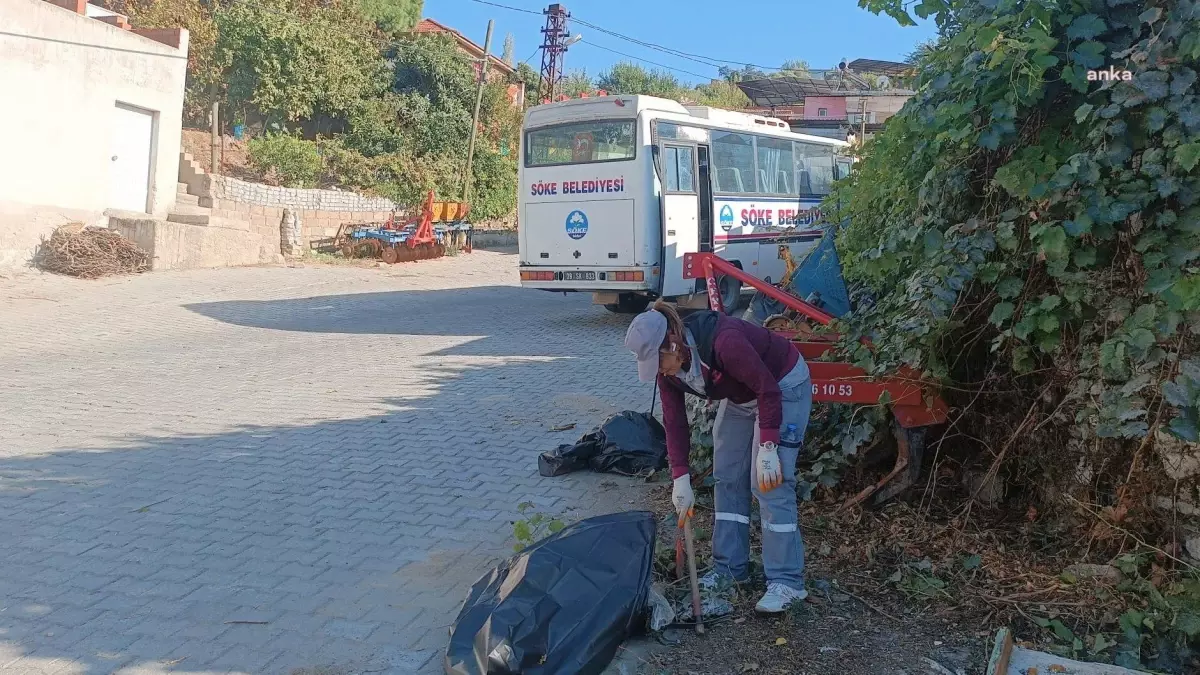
[695,583]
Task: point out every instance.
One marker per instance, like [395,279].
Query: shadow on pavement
[478,312]
[346,544]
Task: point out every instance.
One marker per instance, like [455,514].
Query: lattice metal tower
[554,45]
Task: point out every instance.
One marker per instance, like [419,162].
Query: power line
[711,61]
[535,51]
[515,9]
[635,58]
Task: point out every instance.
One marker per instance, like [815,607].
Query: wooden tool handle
[691,560]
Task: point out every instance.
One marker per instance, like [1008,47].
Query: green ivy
[1055,221]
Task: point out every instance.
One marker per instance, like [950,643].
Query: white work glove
[683,498]
[770,471]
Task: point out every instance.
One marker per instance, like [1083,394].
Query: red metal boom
[914,403]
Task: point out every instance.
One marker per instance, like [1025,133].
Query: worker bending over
[763,385]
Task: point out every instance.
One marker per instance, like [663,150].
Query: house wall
[834,105]
[68,72]
[885,106]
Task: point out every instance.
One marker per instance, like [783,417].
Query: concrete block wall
[260,207]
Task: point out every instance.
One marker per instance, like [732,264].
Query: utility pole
[215,163]
[863,119]
[487,45]
[554,45]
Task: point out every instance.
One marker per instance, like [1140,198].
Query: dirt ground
[849,624]
[234,157]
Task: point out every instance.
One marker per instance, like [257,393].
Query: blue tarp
[818,280]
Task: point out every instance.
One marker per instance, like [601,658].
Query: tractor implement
[915,405]
[423,237]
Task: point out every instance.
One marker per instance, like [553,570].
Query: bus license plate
[579,276]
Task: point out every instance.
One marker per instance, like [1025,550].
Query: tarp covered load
[626,443]
[818,279]
[560,607]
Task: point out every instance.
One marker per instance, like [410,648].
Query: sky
[760,32]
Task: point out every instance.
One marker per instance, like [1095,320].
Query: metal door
[681,213]
[129,165]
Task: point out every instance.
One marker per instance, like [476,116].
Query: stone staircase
[191,209]
[193,237]
[187,209]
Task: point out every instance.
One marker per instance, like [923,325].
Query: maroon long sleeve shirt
[748,362]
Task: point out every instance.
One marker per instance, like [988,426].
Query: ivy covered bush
[1031,233]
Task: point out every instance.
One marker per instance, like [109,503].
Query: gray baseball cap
[645,336]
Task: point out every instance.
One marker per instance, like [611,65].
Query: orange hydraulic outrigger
[915,404]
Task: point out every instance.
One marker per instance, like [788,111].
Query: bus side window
[774,165]
[814,168]
[733,159]
[678,167]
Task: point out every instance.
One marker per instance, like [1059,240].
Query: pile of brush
[90,253]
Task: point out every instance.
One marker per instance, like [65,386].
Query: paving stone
[338,451]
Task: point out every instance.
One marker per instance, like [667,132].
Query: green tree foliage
[289,60]
[575,83]
[630,78]
[287,160]
[507,55]
[392,16]
[794,67]
[532,80]
[721,94]
[1033,235]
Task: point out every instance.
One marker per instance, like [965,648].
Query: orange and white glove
[768,467]
[683,498]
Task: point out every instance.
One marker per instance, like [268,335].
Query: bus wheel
[731,293]
[628,303]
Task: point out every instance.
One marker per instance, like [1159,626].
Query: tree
[575,83]
[721,94]
[392,16]
[291,60]
[509,46]
[532,79]
[737,75]
[1035,233]
[794,67]
[630,78]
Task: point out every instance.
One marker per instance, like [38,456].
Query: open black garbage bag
[560,607]
[626,443]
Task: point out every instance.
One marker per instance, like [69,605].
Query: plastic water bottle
[790,437]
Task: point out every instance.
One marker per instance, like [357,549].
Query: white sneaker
[777,598]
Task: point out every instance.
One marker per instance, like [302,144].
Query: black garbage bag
[562,606]
[626,443]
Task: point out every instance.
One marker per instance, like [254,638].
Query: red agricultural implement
[916,405]
[424,236]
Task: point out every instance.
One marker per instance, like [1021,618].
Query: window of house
[822,112]
[733,162]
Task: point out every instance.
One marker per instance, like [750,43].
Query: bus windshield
[580,143]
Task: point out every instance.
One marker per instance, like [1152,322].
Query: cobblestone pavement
[260,470]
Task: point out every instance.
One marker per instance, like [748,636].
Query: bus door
[686,207]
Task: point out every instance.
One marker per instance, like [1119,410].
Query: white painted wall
[63,75]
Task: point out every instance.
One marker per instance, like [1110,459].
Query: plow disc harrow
[426,236]
[915,405]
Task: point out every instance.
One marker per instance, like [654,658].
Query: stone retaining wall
[320,212]
[233,189]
